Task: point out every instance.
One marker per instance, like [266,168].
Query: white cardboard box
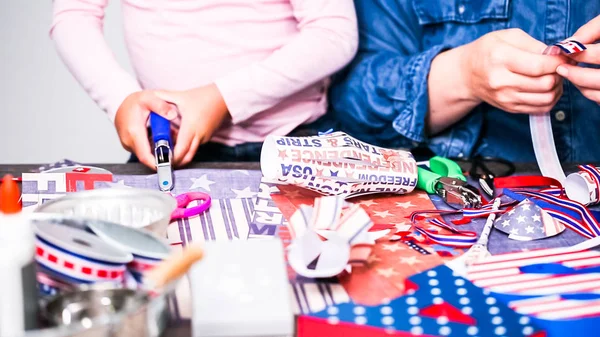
[240,288]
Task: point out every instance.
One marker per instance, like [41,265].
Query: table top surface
[139,169]
[182,329]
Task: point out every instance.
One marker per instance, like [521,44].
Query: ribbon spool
[147,249]
[71,256]
[584,186]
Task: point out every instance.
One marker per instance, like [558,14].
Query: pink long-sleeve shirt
[270,59]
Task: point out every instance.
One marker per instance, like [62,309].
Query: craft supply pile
[331,237]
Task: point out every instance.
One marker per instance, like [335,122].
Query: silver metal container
[104,309]
[105,312]
[133,207]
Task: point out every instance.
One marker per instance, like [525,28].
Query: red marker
[9,196]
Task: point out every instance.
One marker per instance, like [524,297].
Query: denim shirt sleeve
[383,97]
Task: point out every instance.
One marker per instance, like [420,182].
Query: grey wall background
[35,86]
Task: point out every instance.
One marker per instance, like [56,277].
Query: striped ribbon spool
[74,268]
[584,186]
[140,265]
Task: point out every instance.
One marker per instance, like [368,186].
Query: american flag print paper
[41,187]
[506,274]
[527,221]
[563,303]
[267,217]
[439,303]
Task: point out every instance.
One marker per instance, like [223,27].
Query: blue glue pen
[161,136]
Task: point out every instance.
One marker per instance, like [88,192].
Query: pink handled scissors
[183,200]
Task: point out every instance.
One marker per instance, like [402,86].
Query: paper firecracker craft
[527,221]
[330,236]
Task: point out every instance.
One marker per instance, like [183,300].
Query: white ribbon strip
[541,126]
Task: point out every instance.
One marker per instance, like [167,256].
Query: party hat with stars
[527,221]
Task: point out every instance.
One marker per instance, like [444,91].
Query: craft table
[183,328]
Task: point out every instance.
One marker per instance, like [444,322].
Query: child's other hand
[131,120]
[202,111]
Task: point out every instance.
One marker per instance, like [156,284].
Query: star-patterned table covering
[244,208]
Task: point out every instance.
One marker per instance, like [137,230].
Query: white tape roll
[581,187]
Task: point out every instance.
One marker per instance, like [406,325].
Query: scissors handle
[440,167]
[183,200]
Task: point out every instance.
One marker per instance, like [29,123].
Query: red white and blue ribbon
[571,46]
[571,213]
[140,265]
[74,268]
[456,238]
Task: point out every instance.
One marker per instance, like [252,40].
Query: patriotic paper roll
[75,257]
[337,164]
[584,186]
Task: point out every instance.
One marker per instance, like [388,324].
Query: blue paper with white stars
[473,311]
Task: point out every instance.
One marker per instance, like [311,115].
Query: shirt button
[461,9]
[560,115]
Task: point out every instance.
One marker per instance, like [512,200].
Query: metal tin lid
[138,242]
[78,242]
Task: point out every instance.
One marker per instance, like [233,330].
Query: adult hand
[202,111]
[131,121]
[587,80]
[506,69]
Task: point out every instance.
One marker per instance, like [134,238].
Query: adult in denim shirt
[461,77]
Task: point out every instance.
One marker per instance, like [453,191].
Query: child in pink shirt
[235,71]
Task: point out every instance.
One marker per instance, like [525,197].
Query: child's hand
[587,80]
[131,120]
[202,112]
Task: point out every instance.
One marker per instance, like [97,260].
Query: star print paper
[383,276]
[527,221]
[438,303]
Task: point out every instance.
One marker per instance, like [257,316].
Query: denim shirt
[382,96]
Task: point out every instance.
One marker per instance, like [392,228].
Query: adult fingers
[539,100]
[521,40]
[530,110]
[591,94]
[192,151]
[522,83]
[580,76]
[157,105]
[530,64]
[590,55]
[590,32]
